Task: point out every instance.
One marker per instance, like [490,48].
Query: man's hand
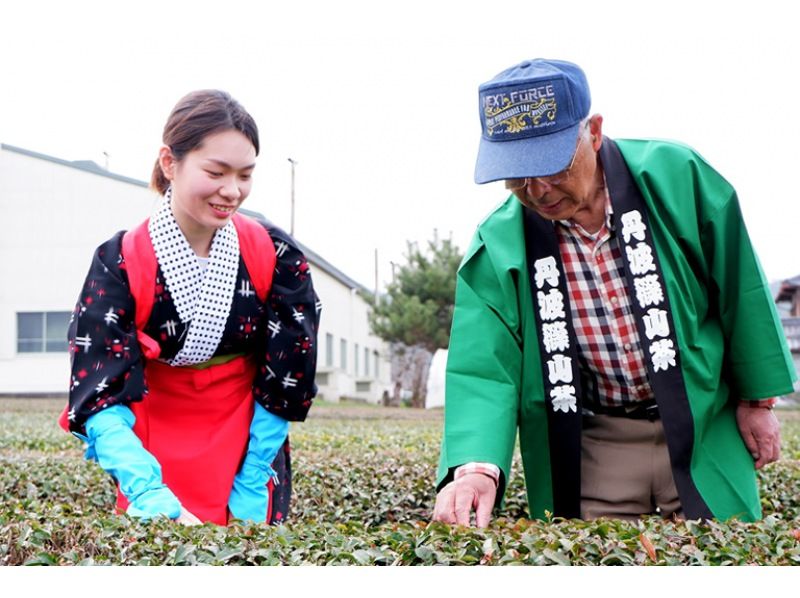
[455,502]
[761,433]
[187,518]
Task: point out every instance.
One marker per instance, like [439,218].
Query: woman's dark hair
[196,116]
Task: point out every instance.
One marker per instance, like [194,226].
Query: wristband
[488,469]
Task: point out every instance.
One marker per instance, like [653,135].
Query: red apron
[196,423]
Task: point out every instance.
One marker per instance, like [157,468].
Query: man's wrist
[758,403]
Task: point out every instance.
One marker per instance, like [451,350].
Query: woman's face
[210,182]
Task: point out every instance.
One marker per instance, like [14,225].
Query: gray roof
[795,280]
[315,258]
[787,290]
[93,168]
[85,165]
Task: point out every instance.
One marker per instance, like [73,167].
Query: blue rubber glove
[249,498]
[112,443]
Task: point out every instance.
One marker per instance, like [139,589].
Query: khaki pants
[625,469]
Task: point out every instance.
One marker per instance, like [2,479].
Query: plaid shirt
[612,367]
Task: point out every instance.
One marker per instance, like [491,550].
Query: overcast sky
[377,101]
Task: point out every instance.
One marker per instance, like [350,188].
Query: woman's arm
[249,498]
[106,359]
[113,444]
[284,384]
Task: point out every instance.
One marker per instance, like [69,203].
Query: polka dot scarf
[202,296]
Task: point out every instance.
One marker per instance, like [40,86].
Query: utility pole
[293,163]
[376,273]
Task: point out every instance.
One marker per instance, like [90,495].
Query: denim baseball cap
[530,119]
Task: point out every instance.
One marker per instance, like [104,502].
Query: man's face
[570,194]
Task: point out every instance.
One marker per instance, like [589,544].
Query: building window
[329,349]
[355,360]
[42,331]
[376,371]
[343,355]
[366,362]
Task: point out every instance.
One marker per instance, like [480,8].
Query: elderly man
[613,313]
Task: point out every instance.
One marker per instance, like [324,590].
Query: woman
[194,339]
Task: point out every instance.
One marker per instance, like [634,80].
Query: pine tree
[416,312]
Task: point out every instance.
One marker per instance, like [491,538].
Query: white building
[57,212]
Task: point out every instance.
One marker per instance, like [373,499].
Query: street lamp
[293,163]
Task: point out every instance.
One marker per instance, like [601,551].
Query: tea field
[363,495]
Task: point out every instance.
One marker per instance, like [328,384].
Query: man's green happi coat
[729,339]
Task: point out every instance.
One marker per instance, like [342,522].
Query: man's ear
[167,162]
[596,130]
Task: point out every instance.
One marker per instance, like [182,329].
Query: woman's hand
[187,518]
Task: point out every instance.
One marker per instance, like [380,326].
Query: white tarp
[435,396]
